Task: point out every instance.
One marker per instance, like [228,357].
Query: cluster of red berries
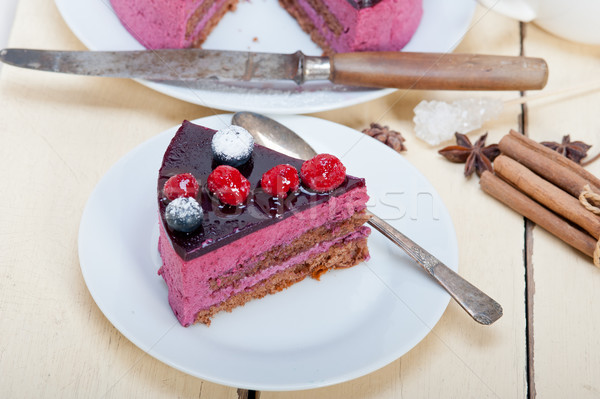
[322,173]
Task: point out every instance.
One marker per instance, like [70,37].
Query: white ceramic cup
[576,20]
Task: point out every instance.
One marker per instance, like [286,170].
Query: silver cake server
[478,305]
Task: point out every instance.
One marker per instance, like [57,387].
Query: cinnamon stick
[558,158]
[537,213]
[547,194]
[555,168]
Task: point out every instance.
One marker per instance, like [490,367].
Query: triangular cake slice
[267,243]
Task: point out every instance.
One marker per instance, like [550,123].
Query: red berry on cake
[181,185]
[229,185]
[323,173]
[279,180]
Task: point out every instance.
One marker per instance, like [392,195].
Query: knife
[401,70]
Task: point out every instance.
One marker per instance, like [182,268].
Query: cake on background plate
[171,23]
[335,25]
[239,221]
[343,26]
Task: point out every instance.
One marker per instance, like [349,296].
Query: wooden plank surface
[565,297]
[56,342]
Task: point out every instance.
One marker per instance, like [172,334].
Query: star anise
[574,150]
[386,135]
[477,158]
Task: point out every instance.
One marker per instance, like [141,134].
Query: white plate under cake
[314,333]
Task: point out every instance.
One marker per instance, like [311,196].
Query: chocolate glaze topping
[190,151]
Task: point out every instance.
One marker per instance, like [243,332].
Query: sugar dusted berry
[323,173]
[279,180]
[229,185]
[184,214]
[232,146]
[181,185]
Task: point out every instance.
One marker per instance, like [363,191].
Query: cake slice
[171,23]
[343,26]
[335,25]
[258,237]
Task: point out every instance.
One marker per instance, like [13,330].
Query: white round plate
[313,334]
[95,24]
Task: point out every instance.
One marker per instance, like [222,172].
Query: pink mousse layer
[188,282]
[162,23]
[387,26]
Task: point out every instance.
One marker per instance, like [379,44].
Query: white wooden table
[7,15]
[59,134]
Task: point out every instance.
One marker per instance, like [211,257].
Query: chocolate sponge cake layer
[342,255]
[307,24]
[282,253]
[197,29]
[341,26]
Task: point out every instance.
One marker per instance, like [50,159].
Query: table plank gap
[530,291]
[528,254]
[248,394]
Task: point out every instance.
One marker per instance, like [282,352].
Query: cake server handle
[479,305]
[438,71]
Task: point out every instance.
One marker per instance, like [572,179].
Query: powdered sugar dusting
[184,214]
[233,145]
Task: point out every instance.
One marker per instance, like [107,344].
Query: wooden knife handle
[437,71]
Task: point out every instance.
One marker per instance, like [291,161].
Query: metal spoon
[481,307]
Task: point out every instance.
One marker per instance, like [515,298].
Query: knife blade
[401,70]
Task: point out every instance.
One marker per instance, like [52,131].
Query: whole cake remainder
[335,25]
[239,221]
